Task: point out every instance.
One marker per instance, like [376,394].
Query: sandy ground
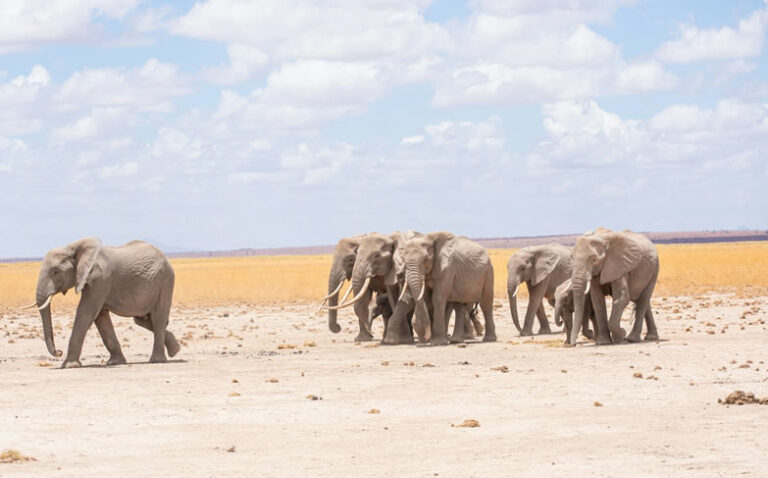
[234,404]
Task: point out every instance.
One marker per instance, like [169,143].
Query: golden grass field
[688,269]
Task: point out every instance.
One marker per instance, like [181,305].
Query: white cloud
[10,148]
[244,62]
[334,30]
[119,170]
[695,44]
[28,23]
[149,87]
[645,76]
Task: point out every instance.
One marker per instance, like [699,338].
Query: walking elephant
[133,280]
[341,270]
[564,310]
[630,264]
[373,271]
[443,268]
[542,268]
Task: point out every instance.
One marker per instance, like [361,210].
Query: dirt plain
[238,399]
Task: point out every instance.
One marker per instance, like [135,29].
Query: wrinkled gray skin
[564,310]
[133,280]
[453,269]
[542,268]
[629,263]
[341,269]
[374,260]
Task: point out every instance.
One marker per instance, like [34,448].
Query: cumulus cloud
[697,44]
[28,23]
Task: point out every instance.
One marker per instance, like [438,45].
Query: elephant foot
[363,337]
[589,334]
[438,341]
[335,328]
[603,340]
[397,340]
[172,346]
[633,338]
[651,336]
[458,340]
[158,359]
[545,331]
[618,336]
[116,360]
[71,364]
[526,333]
[489,338]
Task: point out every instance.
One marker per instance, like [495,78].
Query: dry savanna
[262,388]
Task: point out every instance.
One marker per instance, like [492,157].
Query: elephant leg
[567,324]
[486,305]
[172,345]
[589,314]
[620,292]
[362,312]
[535,296]
[541,314]
[159,319]
[89,307]
[650,324]
[439,304]
[107,332]
[641,307]
[460,310]
[597,299]
[398,328]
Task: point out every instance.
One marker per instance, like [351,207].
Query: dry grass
[685,270]
[13,456]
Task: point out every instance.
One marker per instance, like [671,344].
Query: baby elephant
[564,310]
[133,280]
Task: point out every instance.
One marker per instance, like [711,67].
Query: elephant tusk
[514,294]
[589,285]
[402,294]
[33,304]
[354,299]
[334,292]
[423,288]
[343,299]
[48,301]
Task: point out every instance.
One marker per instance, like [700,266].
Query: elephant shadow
[104,365]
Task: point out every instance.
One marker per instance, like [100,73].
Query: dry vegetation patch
[13,456]
[686,269]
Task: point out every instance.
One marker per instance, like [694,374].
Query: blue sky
[226,124]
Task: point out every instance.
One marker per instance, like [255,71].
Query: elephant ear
[398,239]
[85,251]
[623,255]
[546,261]
[443,244]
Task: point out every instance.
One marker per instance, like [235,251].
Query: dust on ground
[269,391]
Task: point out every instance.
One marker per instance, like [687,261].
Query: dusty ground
[235,404]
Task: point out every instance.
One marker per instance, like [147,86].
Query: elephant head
[422,257]
[531,265]
[602,255]
[61,269]
[341,270]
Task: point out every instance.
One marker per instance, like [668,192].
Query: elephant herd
[419,280]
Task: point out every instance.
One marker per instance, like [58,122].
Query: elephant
[443,268]
[628,262]
[374,271]
[341,270]
[564,310]
[542,268]
[132,280]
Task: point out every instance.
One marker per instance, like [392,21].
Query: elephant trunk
[580,278]
[41,297]
[414,276]
[512,285]
[558,311]
[336,277]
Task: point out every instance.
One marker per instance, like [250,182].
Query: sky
[223,124]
